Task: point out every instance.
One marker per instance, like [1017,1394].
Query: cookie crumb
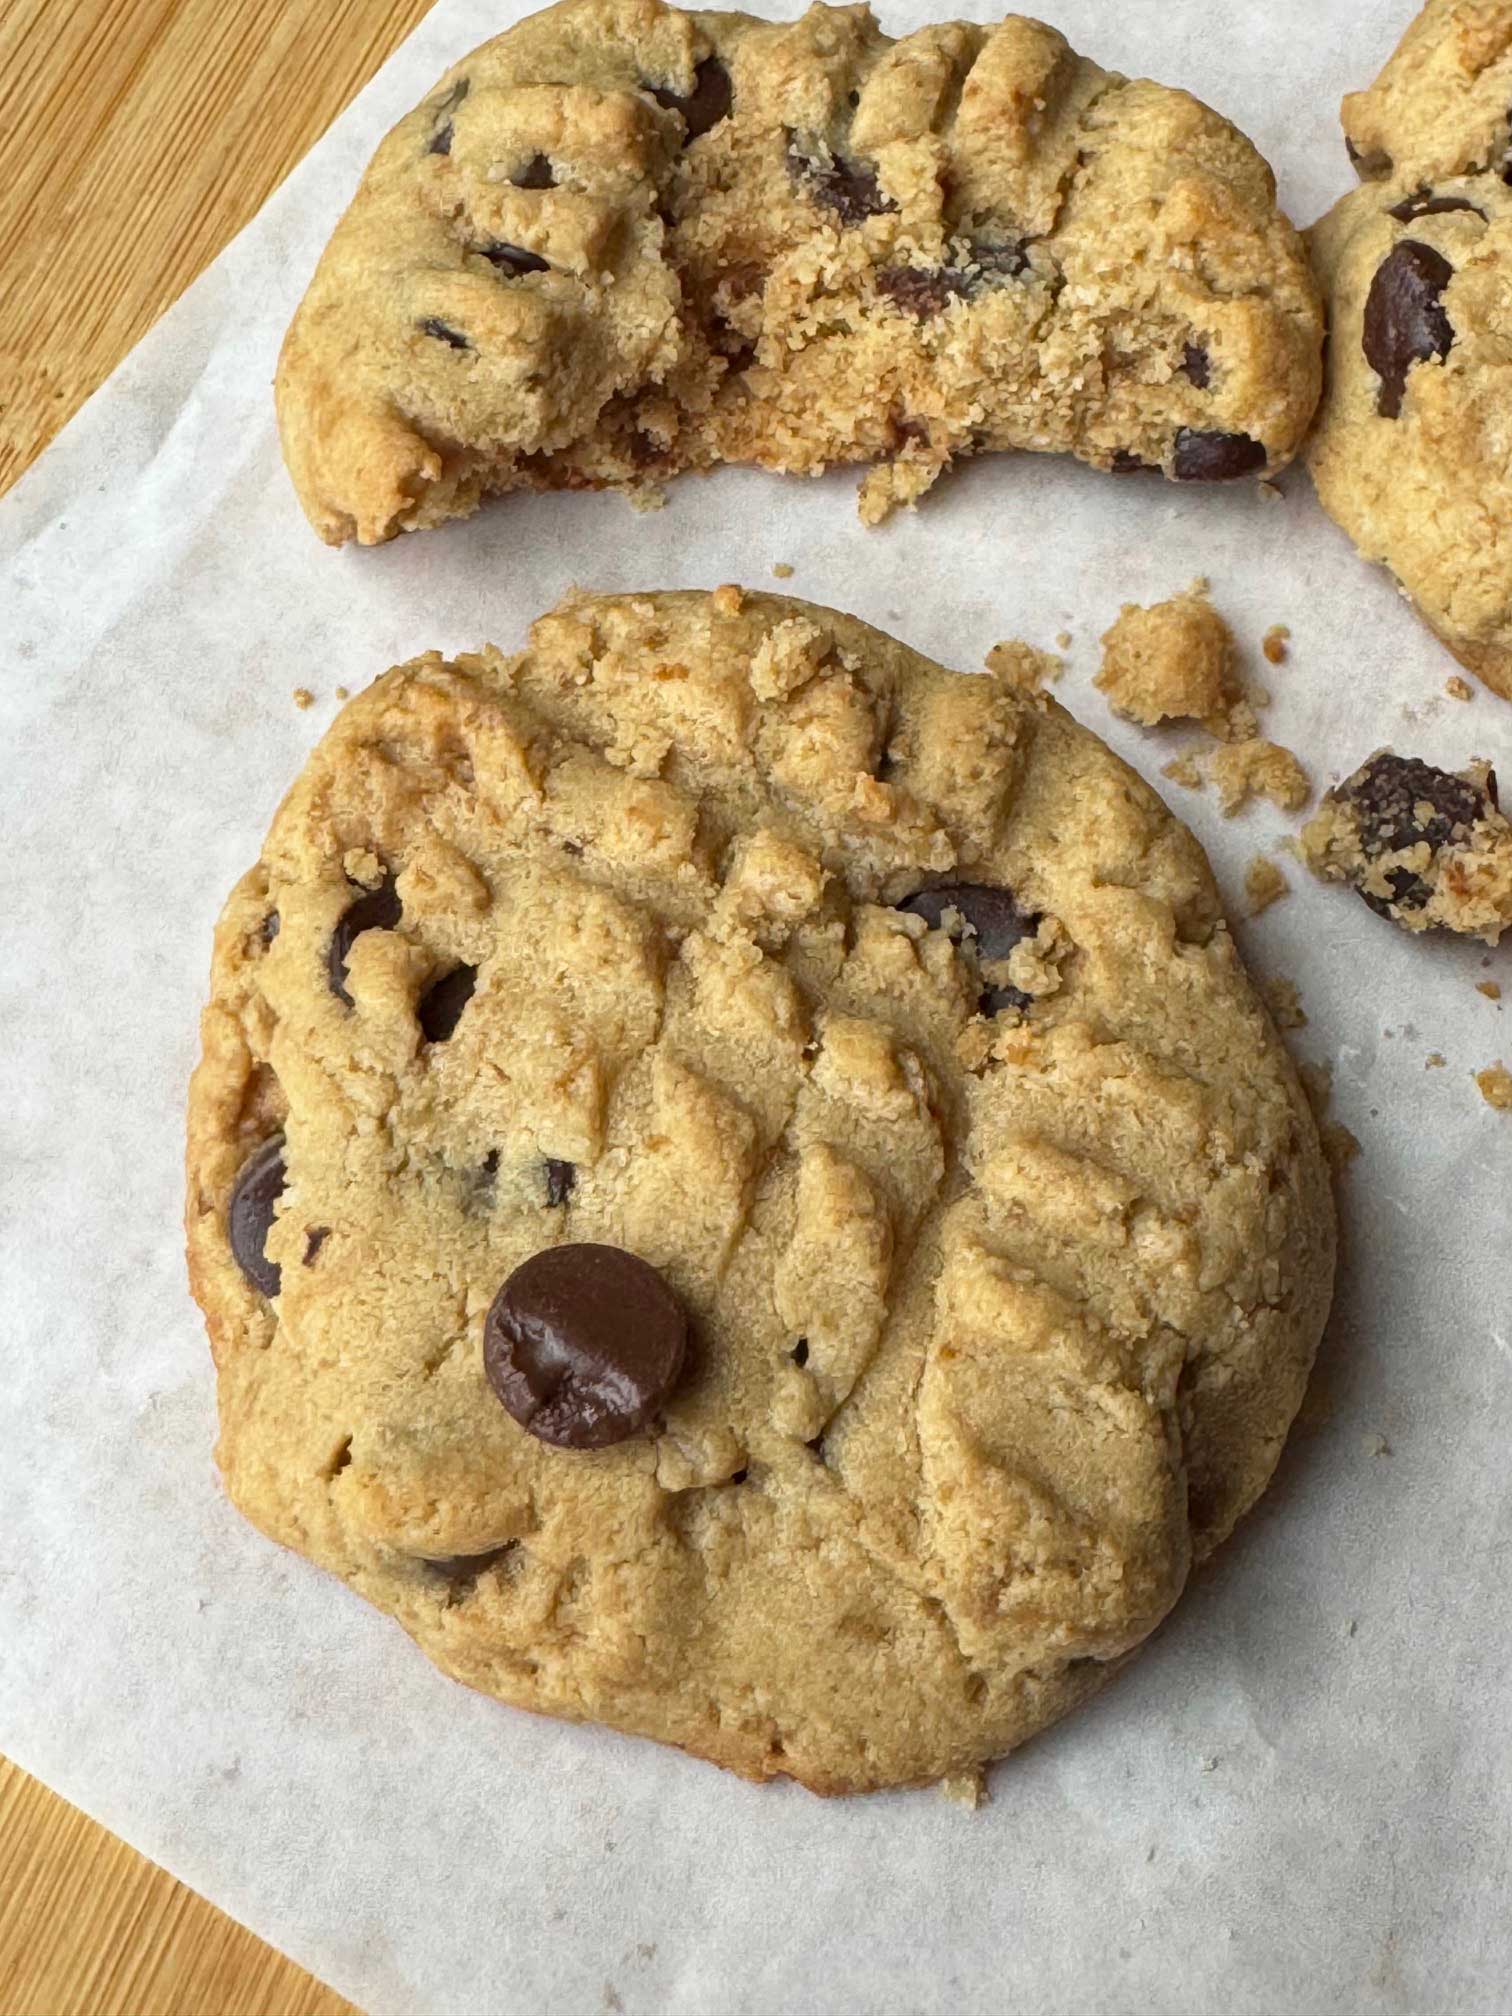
[1489,988]
[1063,640]
[1284,1003]
[728,599]
[1022,668]
[1339,1146]
[1457,688]
[303,698]
[1495,1084]
[1274,643]
[343,693]
[1173,661]
[1209,1763]
[782,570]
[1264,884]
[1183,770]
[1351,1626]
[1258,769]
[1378,1445]
[1436,1061]
[966,1788]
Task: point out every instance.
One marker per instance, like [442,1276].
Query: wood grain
[136,138]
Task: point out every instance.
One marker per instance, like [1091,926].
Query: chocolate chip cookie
[741,1191]
[622,241]
[1410,454]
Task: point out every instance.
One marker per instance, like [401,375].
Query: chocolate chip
[537,173]
[922,293]
[1372,166]
[444,333]
[1125,464]
[737,1477]
[442,1003]
[561,1181]
[1425,205]
[583,1344]
[1194,362]
[375,910]
[705,105]
[491,1165]
[1210,457]
[512,260]
[1386,795]
[468,1567]
[268,929]
[441,140]
[258,1187]
[1405,321]
[799,1352]
[989,916]
[315,1238]
[849,188]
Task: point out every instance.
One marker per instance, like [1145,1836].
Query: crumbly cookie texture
[620,241]
[1442,104]
[1410,454]
[1259,769]
[1004,1269]
[1174,661]
[1427,848]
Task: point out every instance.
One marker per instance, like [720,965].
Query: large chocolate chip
[444,333]
[536,174]
[1204,456]
[1194,362]
[583,1344]
[705,105]
[442,1003]
[1388,795]
[922,293]
[1405,321]
[1423,204]
[441,140]
[257,1189]
[561,1181]
[849,188]
[513,260]
[375,910]
[990,916]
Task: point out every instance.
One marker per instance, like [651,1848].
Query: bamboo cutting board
[136,137]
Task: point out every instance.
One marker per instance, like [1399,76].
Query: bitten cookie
[741,1191]
[1412,453]
[622,241]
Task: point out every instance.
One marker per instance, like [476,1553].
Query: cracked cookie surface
[895,1022]
[622,241]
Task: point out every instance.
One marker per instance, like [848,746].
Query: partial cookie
[1411,450]
[968,1236]
[1427,848]
[1173,661]
[1443,103]
[621,241]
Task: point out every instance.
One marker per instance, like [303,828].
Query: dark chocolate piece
[254,1196]
[1405,323]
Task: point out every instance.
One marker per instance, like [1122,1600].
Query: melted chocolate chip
[537,173]
[258,1187]
[1423,204]
[1125,464]
[441,140]
[1372,166]
[921,293]
[513,260]
[1210,457]
[849,188]
[1405,321]
[737,1477]
[1387,795]
[268,929]
[442,1003]
[561,1181]
[583,1344]
[1194,362]
[315,1238]
[799,1352]
[375,910]
[705,105]
[444,332]
[989,916]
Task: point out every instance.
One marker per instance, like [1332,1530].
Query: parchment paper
[1298,1799]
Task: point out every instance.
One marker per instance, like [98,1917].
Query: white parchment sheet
[1298,1800]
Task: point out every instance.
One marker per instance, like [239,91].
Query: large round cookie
[621,240]
[1413,449]
[996,1210]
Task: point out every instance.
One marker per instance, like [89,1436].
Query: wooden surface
[136,137]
